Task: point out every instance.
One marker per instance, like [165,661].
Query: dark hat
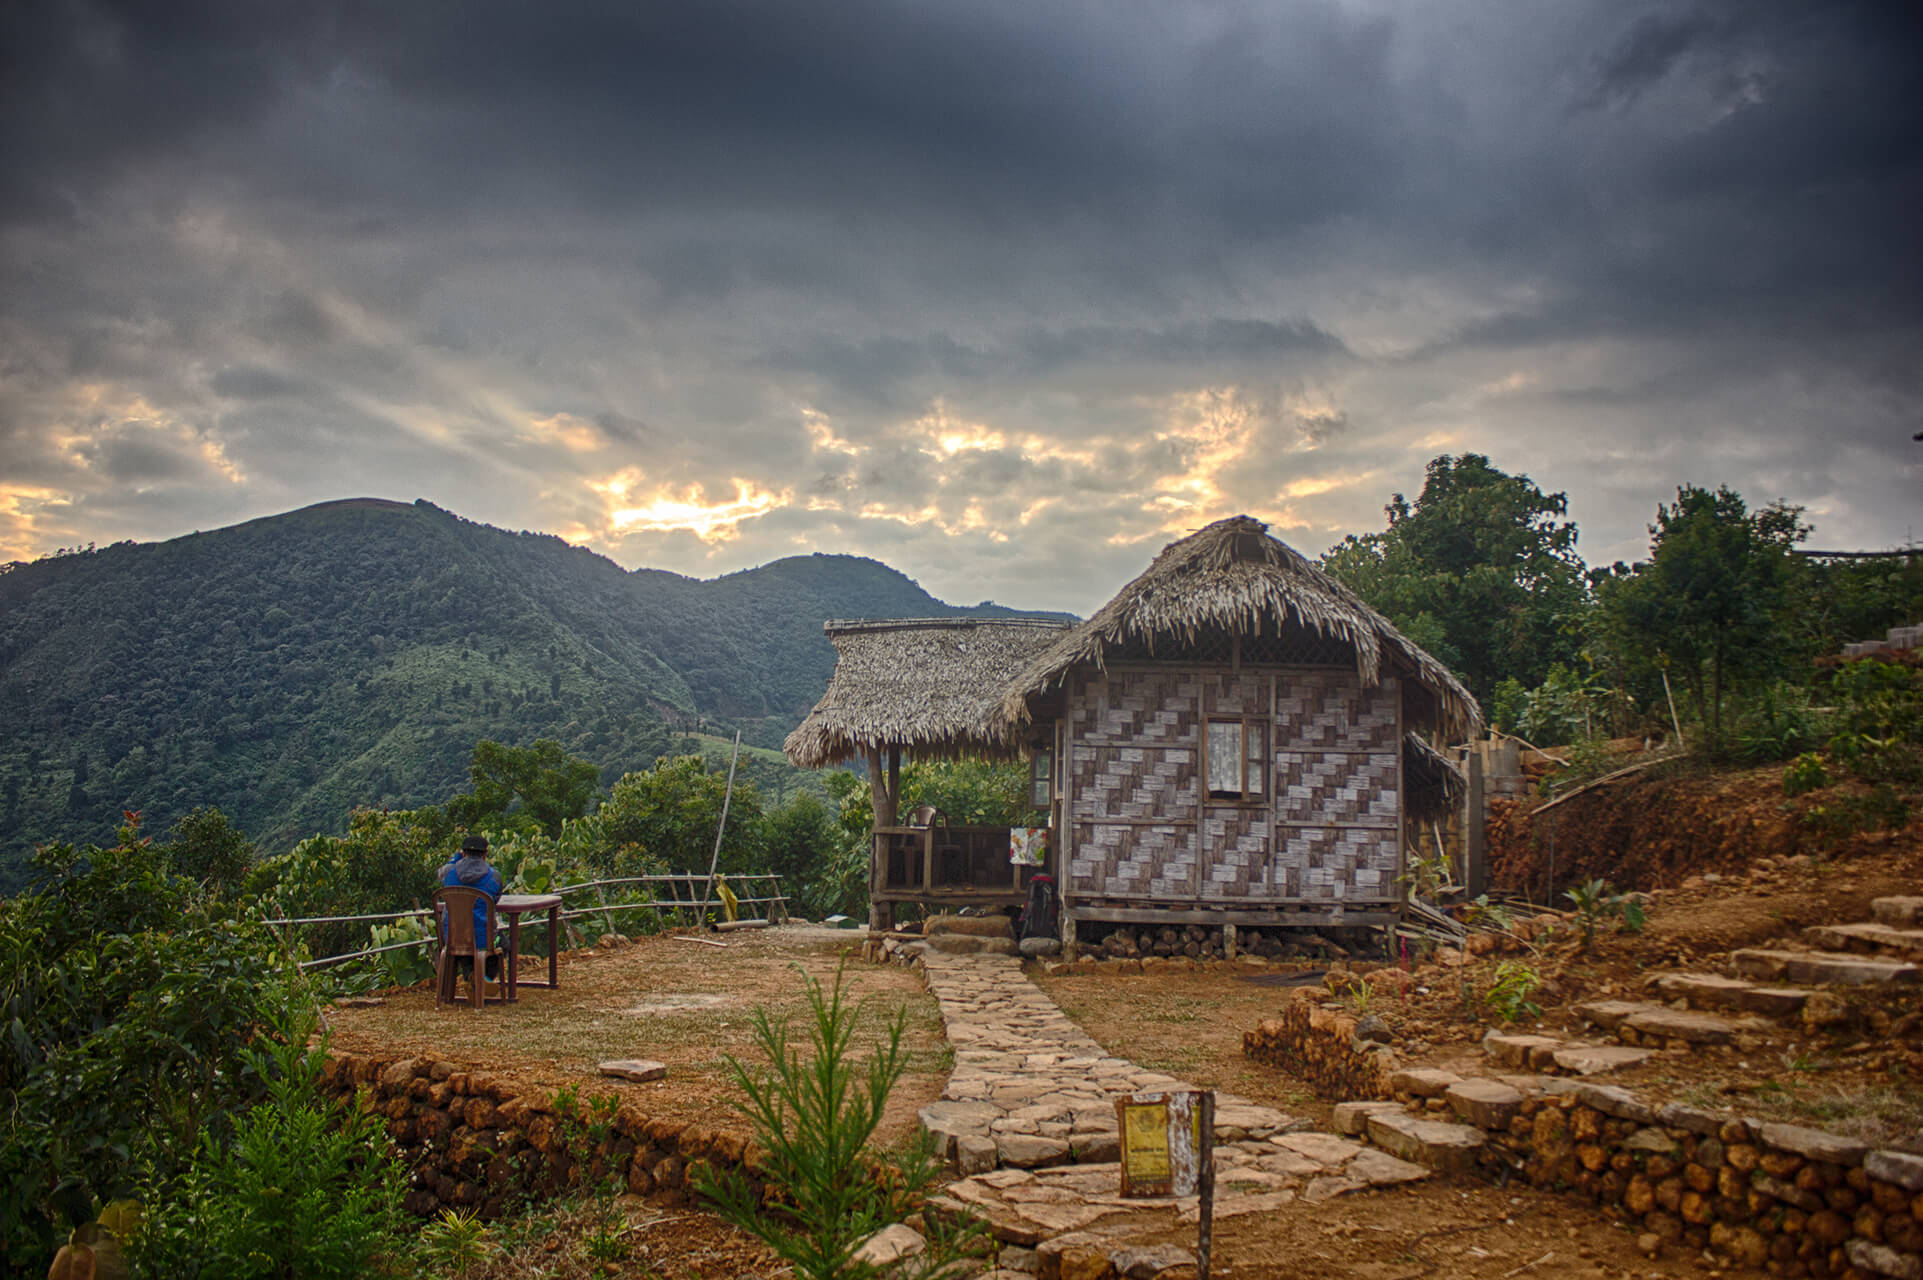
[474,844]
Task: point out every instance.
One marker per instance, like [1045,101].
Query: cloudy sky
[1006,294]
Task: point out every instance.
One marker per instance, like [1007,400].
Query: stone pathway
[1029,1117]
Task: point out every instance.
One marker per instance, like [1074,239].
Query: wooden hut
[1235,738]
[928,687]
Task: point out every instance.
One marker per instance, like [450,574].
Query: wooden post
[1069,948]
[1228,942]
[1205,1187]
[1475,849]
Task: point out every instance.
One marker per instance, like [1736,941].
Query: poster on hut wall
[1028,846]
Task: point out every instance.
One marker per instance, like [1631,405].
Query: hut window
[1237,759]
[1041,778]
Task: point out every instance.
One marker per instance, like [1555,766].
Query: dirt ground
[671,999]
[689,1005]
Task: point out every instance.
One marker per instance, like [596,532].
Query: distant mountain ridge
[291,667]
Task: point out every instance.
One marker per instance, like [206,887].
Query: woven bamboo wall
[1139,829]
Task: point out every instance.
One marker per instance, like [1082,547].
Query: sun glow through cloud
[687,511]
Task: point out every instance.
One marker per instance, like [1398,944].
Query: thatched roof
[932,685]
[1233,576]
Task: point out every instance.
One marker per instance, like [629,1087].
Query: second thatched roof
[930,685]
[1233,576]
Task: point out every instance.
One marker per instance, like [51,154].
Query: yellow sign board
[1163,1143]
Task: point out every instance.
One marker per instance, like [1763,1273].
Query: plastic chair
[454,910]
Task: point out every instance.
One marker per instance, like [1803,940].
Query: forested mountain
[352,653]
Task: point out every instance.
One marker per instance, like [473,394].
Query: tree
[802,841]
[1710,601]
[672,811]
[1481,571]
[550,785]
[205,846]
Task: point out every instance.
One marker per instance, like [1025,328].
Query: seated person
[470,869]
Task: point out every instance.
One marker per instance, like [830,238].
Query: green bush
[304,1189]
[1508,994]
[1804,774]
[129,1002]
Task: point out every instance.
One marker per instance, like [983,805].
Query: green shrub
[129,1002]
[1879,809]
[304,1188]
[1804,774]
[1508,994]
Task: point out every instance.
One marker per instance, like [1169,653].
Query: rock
[1650,1243]
[1374,1029]
[1822,968]
[1033,947]
[1744,1244]
[1703,990]
[1516,1050]
[1609,1014]
[1026,1151]
[1814,1144]
[1380,1169]
[1612,1101]
[1825,1009]
[634,1069]
[1652,1140]
[1353,1117]
[890,1245]
[1903,1169]
[1483,1103]
[1679,1024]
[1096,1146]
[1450,1147]
[1423,1082]
[1597,1059]
[1678,1115]
[1884,1261]
[974,1153]
[1898,912]
[1145,1262]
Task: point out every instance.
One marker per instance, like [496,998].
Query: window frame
[1261,728]
[1041,778]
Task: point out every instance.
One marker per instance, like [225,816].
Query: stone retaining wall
[478,1142]
[1319,1046]
[1795,1201]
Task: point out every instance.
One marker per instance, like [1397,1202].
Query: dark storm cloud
[879,368]
[872,276]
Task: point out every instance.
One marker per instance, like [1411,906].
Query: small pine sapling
[813,1115]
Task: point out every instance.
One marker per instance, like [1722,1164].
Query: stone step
[1435,1143]
[1898,913]
[1713,991]
[1821,968]
[1545,1053]
[1867,938]
[1598,1059]
[1655,1021]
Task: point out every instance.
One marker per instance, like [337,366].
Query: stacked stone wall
[1789,1200]
[480,1142]
[1320,1046]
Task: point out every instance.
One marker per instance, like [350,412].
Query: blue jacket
[466,872]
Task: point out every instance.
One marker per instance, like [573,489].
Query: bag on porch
[1041,917]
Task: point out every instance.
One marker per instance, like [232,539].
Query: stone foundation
[475,1141]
